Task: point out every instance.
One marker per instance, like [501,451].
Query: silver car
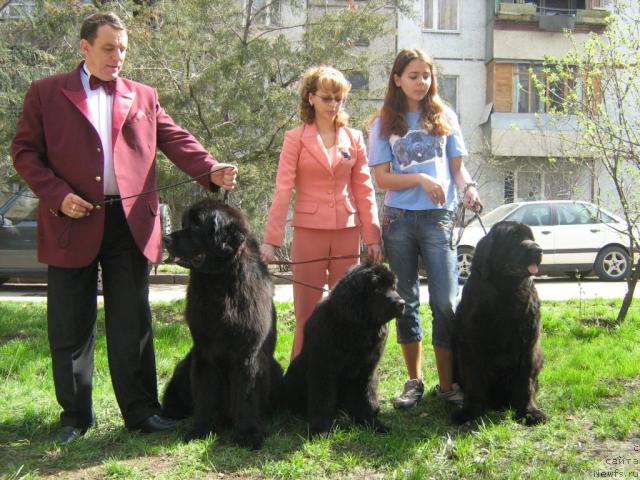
[577,238]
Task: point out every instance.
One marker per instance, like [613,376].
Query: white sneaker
[411,395]
[454,396]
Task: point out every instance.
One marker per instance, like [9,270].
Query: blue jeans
[407,234]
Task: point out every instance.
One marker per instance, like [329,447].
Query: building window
[448,90]
[441,15]
[358,80]
[509,179]
[527,81]
[536,178]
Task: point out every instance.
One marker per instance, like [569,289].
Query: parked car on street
[577,238]
[18,241]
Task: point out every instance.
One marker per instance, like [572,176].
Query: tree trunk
[628,298]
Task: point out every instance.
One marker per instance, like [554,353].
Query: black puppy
[497,326]
[229,377]
[343,341]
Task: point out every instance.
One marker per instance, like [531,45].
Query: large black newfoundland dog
[229,377]
[343,341]
[497,327]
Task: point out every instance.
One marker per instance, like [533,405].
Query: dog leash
[67,228]
[319,259]
[459,220]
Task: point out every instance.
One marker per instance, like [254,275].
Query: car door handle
[594,230]
[545,232]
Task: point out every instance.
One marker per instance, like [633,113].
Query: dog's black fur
[343,341]
[229,377]
[497,327]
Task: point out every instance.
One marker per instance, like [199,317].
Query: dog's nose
[400,307]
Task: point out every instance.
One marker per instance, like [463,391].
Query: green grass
[590,389]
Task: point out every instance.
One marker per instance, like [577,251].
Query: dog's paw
[196,434]
[379,427]
[250,438]
[461,416]
[534,417]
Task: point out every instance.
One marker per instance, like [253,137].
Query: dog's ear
[481,258]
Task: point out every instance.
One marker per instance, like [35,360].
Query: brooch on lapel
[345,154]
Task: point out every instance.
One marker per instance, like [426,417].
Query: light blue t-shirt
[418,152]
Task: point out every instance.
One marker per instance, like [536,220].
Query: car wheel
[612,264]
[465,256]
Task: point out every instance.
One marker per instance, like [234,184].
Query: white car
[577,238]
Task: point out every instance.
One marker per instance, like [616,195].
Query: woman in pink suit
[326,163]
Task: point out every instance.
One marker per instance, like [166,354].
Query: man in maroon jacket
[86,145]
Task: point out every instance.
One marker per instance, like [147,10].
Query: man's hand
[224,175]
[74,206]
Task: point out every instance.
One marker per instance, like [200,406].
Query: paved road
[548,289]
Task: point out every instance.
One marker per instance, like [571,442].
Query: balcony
[532,135]
[554,16]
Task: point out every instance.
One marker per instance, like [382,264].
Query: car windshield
[495,215]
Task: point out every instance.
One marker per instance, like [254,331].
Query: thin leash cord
[282,277]
[319,259]
[63,240]
[459,219]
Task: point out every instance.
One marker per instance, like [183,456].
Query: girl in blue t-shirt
[416,150]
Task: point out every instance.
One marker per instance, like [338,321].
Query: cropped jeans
[407,234]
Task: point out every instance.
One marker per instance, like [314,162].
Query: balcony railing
[595,13]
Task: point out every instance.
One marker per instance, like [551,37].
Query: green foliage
[220,72]
[602,93]
[589,387]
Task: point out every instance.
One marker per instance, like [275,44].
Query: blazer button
[98,207]
[98,179]
[99,149]
[331,204]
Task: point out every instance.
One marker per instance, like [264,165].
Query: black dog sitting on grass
[496,333]
[343,341]
[229,378]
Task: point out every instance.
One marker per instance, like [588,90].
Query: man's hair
[92,23]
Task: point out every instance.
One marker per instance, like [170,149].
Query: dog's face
[212,234]
[371,290]
[508,250]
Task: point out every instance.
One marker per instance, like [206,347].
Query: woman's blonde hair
[329,80]
[394,110]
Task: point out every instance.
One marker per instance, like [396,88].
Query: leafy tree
[605,100]
[222,71]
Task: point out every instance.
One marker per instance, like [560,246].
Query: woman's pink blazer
[329,196]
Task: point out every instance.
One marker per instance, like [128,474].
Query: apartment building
[487,52]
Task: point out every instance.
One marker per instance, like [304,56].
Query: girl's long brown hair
[394,110]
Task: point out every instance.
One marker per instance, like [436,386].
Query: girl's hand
[267,252]
[375,252]
[471,199]
[433,188]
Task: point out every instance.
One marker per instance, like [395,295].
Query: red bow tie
[108,86]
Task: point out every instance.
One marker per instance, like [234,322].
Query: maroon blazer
[57,151]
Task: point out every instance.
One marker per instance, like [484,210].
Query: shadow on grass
[29,444]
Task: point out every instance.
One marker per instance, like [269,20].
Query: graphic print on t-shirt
[416,147]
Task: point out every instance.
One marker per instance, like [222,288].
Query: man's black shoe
[155,423]
[70,434]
